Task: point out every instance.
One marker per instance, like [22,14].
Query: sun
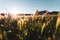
[13,10]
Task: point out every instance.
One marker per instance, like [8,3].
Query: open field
[41,27]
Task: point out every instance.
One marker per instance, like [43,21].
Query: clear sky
[28,6]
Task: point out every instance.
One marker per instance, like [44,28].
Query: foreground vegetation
[33,29]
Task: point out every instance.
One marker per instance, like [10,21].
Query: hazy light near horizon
[13,10]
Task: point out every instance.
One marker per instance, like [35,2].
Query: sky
[28,6]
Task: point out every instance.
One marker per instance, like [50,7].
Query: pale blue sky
[28,6]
